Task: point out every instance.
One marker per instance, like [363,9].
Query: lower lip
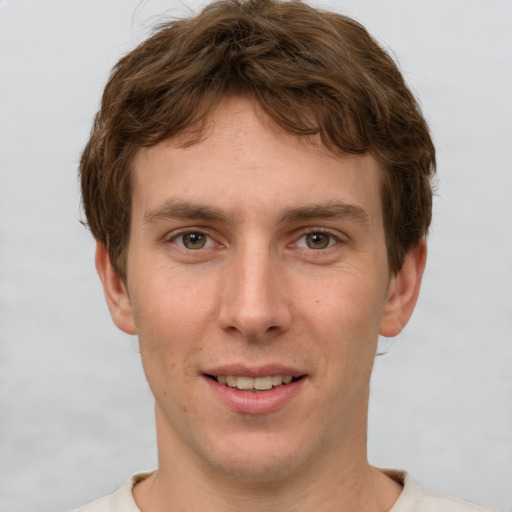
[257,402]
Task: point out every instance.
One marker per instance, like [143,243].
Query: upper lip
[242,370]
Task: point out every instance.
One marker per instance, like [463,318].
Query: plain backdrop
[76,415]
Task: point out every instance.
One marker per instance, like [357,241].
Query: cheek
[343,319]
[348,305]
[171,321]
[170,299]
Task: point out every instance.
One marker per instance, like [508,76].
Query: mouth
[254,391]
[254,384]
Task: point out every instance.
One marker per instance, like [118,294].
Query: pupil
[194,240]
[318,241]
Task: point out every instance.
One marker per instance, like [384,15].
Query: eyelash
[178,239]
[333,239]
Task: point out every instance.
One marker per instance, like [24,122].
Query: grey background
[75,412]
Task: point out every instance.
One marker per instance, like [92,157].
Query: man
[258,184]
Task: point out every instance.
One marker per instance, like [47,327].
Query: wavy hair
[311,71]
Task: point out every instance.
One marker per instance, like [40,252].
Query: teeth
[231,381]
[258,383]
[263,383]
[245,383]
[277,380]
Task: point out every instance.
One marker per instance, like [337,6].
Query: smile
[256,383]
[252,391]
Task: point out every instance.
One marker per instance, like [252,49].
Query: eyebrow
[176,209]
[331,210]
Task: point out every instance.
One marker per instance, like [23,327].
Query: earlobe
[403,291]
[114,288]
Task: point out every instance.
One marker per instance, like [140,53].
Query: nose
[254,304]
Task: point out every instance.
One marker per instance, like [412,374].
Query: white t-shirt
[414,498]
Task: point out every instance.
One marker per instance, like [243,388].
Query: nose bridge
[253,303]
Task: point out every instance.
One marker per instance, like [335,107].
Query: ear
[403,291]
[114,288]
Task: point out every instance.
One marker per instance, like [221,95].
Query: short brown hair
[311,71]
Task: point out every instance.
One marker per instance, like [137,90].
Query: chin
[258,462]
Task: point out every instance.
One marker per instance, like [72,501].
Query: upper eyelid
[297,235]
[338,237]
[316,229]
[174,236]
[175,233]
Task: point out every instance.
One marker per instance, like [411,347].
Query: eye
[194,240]
[317,240]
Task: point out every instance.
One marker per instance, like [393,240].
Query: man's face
[256,257]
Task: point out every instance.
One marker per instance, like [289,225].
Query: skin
[256,294]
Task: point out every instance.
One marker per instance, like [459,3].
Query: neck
[338,480]
[373,491]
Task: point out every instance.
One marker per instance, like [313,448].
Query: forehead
[245,161]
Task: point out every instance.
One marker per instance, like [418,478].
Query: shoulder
[120,501]
[416,498]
